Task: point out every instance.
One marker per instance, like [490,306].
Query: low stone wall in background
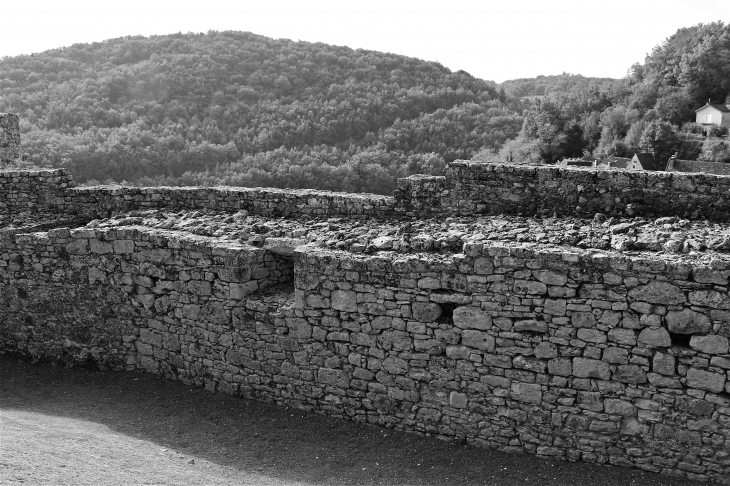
[476,188]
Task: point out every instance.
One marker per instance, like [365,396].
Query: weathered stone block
[426,311]
[531,325]
[710,298]
[664,364]
[630,374]
[615,406]
[526,392]
[546,350]
[688,321]
[478,339]
[555,307]
[706,380]
[591,368]
[655,338]
[469,317]
[344,300]
[658,292]
[583,319]
[616,355]
[592,336]
[709,344]
[560,367]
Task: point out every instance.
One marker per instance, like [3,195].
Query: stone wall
[98,295]
[567,354]
[53,190]
[32,190]
[9,139]
[475,188]
[562,352]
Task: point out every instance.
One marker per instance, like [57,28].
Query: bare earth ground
[76,427]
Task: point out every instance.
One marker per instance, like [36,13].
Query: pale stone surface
[655,338]
[591,368]
[469,317]
[705,380]
[687,321]
[658,292]
[709,344]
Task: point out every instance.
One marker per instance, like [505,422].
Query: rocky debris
[689,239]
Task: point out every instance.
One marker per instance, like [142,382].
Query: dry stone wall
[9,139]
[558,351]
[475,188]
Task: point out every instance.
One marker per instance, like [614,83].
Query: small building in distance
[679,165]
[614,162]
[644,161]
[713,114]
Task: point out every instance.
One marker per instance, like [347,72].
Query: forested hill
[242,109]
[560,83]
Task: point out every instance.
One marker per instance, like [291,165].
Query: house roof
[717,106]
[647,161]
[617,162]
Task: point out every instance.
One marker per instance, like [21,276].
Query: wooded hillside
[238,108]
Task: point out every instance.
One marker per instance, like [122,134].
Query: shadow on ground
[286,445]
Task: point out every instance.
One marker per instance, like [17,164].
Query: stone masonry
[565,352]
[9,139]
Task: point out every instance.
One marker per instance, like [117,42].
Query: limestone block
[688,321]
[658,292]
[708,275]
[591,368]
[550,278]
[560,367]
[478,339]
[123,247]
[526,392]
[283,246]
[706,380]
[664,364]
[344,300]
[483,266]
[555,307]
[546,350]
[424,311]
[592,336]
[615,406]
[616,355]
[468,317]
[333,377]
[655,338]
[199,287]
[239,291]
[458,400]
[709,344]
[630,374]
[529,287]
[531,325]
[457,352]
[583,319]
[660,381]
[622,336]
[710,298]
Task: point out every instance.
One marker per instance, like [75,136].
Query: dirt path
[76,427]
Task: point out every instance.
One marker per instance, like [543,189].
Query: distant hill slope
[544,85]
[191,108]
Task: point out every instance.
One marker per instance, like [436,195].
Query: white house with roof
[714,114]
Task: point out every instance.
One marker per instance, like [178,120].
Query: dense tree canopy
[651,109]
[196,105]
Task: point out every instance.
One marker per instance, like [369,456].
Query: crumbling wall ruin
[554,350]
[9,139]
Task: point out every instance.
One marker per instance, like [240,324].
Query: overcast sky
[491,39]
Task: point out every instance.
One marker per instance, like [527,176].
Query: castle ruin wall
[558,351]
